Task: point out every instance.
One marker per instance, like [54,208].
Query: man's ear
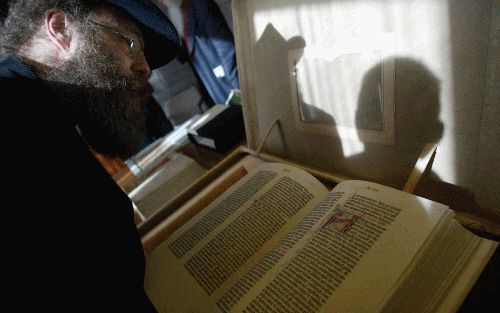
[57,28]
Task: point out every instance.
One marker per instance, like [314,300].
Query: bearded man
[73,75]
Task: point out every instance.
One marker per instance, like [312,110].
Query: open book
[279,241]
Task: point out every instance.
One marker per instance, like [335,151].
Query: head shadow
[415,118]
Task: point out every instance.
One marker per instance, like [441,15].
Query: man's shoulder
[21,88]
[15,86]
[11,67]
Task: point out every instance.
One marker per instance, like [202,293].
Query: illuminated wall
[438,71]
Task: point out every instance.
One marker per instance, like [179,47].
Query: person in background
[208,44]
[73,77]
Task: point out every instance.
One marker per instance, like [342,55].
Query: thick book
[220,128]
[177,172]
[280,241]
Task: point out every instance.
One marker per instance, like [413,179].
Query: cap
[160,36]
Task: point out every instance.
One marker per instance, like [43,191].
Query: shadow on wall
[416,114]
[417,121]
[417,108]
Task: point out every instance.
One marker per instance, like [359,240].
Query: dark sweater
[76,247]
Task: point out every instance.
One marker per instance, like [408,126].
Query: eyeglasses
[135,46]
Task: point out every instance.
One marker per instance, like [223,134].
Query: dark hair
[26,16]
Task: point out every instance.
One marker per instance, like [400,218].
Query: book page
[444,273]
[202,261]
[362,239]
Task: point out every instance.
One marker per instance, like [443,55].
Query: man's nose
[141,66]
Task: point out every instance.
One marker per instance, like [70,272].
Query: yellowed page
[201,261]
[351,258]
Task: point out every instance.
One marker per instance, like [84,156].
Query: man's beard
[107,106]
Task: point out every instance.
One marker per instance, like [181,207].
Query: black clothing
[81,251]
[157,123]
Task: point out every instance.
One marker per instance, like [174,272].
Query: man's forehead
[116,18]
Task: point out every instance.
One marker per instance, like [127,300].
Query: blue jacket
[211,46]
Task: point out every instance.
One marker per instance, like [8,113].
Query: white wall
[445,81]
[487,172]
